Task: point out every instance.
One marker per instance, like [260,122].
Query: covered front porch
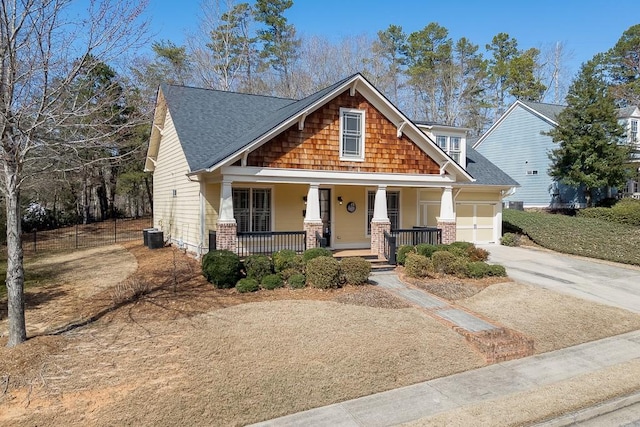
[263,217]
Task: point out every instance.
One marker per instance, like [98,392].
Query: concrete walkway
[437,307]
[608,283]
[443,394]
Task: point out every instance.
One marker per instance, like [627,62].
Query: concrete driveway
[604,282]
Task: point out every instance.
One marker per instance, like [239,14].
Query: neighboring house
[518,144]
[631,117]
[343,164]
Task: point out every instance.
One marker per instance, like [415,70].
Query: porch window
[393,208]
[252,209]
[351,134]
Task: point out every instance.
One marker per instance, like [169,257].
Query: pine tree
[590,152]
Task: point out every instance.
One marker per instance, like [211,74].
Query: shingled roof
[212,125]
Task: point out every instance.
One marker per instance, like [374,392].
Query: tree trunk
[147,185]
[15,268]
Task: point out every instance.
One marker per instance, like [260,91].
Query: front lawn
[587,237]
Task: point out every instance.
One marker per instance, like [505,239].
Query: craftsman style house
[518,144]
[341,168]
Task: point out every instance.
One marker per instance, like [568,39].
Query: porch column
[226,227]
[447,218]
[380,222]
[312,221]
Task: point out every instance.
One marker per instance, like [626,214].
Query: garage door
[475,222]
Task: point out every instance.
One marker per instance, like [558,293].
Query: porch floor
[345,253]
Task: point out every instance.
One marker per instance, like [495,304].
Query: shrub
[222,268]
[355,271]
[285,274]
[272,281]
[462,245]
[297,281]
[510,239]
[458,251]
[312,253]
[418,265]
[627,211]
[477,254]
[402,253]
[448,263]
[283,260]
[323,272]
[247,285]
[426,249]
[497,270]
[258,266]
[477,269]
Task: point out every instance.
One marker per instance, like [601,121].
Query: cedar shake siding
[318,145]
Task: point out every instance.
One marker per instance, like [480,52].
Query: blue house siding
[520,148]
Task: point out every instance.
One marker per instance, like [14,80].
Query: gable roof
[549,111]
[250,120]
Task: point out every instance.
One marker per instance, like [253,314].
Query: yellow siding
[408,208]
[178,216]
[431,195]
[350,229]
[212,204]
[288,206]
[473,196]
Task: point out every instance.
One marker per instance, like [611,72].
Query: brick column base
[377,237]
[227,236]
[311,228]
[448,231]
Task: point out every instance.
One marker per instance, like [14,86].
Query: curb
[593,411]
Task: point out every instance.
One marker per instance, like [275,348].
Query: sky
[585,27]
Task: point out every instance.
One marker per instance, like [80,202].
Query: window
[393,208]
[351,134]
[450,145]
[532,172]
[252,209]
[634,131]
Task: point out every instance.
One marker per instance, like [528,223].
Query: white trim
[362,131]
[304,176]
[502,118]
[378,101]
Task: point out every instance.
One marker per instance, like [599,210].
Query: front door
[325,213]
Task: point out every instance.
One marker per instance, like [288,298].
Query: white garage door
[475,222]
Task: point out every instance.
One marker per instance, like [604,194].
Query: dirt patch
[553,320]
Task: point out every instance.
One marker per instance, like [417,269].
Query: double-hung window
[351,134]
[393,208]
[450,145]
[252,209]
[634,131]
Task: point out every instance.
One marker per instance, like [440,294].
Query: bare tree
[553,71]
[46,52]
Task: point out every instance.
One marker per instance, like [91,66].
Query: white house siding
[176,199]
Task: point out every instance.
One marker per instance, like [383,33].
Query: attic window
[351,134]
[532,172]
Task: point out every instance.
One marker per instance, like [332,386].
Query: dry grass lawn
[182,352]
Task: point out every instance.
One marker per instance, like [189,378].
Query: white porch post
[380,221]
[447,218]
[312,221]
[227,229]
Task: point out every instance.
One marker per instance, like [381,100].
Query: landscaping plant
[272,281]
[222,268]
[247,285]
[323,272]
[355,271]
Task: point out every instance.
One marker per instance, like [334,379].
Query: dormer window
[450,145]
[351,134]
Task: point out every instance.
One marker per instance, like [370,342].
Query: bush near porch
[316,267]
[589,237]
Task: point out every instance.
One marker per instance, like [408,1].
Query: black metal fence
[268,242]
[86,235]
[415,236]
[412,237]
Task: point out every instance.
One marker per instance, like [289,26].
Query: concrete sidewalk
[457,391]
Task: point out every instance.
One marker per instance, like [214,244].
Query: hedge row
[460,259]
[315,267]
[625,211]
